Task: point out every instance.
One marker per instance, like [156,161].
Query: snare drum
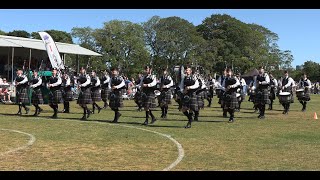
[300,93]
[284,97]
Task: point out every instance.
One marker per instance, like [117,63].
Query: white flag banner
[52,50]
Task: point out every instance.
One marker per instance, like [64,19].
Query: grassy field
[280,142]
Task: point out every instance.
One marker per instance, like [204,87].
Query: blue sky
[298,29]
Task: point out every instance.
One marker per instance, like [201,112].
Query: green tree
[57,36]
[19,33]
[122,44]
[312,69]
[3,33]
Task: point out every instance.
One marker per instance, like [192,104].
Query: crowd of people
[190,91]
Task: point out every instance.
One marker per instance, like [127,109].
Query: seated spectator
[5,93]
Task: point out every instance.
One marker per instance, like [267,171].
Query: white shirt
[38,83]
[195,86]
[153,83]
[275,82]
[290,83]
[118,86]
[265,82]
[168,85]
[57,83]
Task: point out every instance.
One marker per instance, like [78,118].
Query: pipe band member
[261,85]
[273,90]
[84,98]
[305,84]
[241,90]
[67,92]
[55,95]
[36,85]
[211,84]
[105,90]
[287,85]
[230,96]
[189,86]
[220,91]
[137,95]
[201,92]
[95,91]
[166,83]
[21,83]
[147,86]
[116,85]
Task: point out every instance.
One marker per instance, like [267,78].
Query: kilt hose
[95,95]
[115,99]
[165,97]
[36,97]
[190,101]
[55,97]
[22,95]
[84,97]
[262,97]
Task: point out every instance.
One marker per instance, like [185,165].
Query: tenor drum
[300,93]
[284,97]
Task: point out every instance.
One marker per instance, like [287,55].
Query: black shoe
[84,117]
[40,110]
[99,109]
[231,120]
[162,115]
[153,120]
[27,110]
[188,125]
[145,122]
[54,116]
[36,113]
[19,113]
[261,117]
[284,112]
[196,119]
[165,116]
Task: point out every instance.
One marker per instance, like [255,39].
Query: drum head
[299,90]
[284,94]
[238,95]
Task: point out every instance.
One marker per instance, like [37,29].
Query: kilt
[262,97]
[200,98]
[137,97]
[230,100]
[105,93]
[95,95]
[55,97]
[84,97]
[272,95]
[306,96]
[192,103]
[67,94]
[149,102]
[165,97]
[22,95]
[36,96]
[115,99]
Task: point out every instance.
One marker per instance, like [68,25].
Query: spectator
[4,92]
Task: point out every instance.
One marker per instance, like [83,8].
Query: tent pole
[12,64]
[29,59]
[78,64]
[8,64]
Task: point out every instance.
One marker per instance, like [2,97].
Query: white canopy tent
[19,42]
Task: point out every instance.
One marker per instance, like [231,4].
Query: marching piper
[84,98]
[116,85]
[166,83]
[95,91]
[261,85]
[305,86]
[55,95]
[21,83]
[36,85]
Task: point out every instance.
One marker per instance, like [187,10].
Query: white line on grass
[30,142]
[179,146]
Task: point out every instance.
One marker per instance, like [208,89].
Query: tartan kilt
[67,95]
[230,101]
[306,96]
[36,96]
[200,99]
[55,97]
[272,95]
[95,95]
[137,97]
[105,93]
[192,103]
[84,97]
[165,97]
[262,97]
[115,99]
[150,100]
[22,96]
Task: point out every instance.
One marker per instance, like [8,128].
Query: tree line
[220,41]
